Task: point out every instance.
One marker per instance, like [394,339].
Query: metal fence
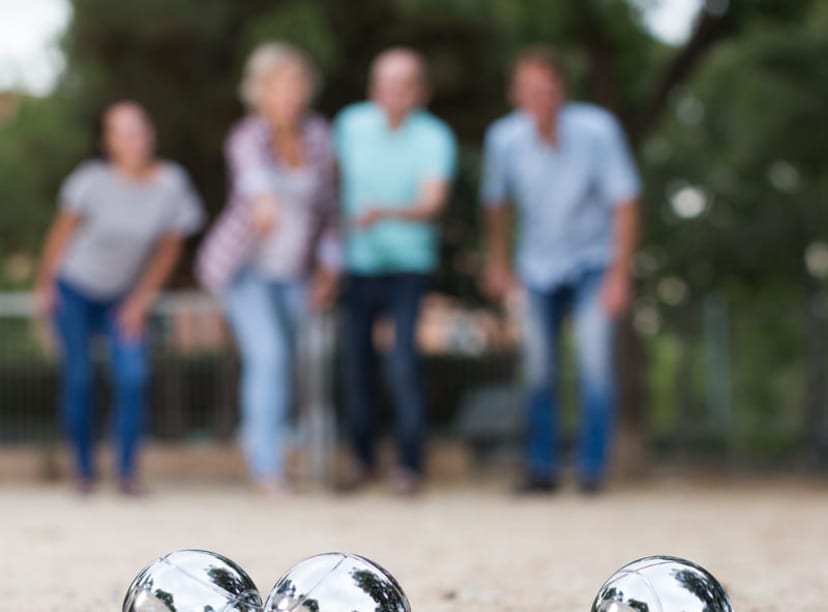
[744,386]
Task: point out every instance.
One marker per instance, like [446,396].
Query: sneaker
[273,488]
[85,486]
[536,485]
[591,486]
[129,487]
[353,477]
[406,483]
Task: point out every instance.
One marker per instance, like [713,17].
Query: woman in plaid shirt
[273,252]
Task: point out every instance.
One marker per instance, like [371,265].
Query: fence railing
[744,385]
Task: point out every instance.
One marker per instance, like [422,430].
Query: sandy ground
[457,548]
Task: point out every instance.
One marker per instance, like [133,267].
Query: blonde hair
[267,58]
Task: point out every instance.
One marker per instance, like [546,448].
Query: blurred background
[723,358]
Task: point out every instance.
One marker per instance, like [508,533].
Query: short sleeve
[619,180]
[188,216]
[441,162]
[494,189]
[76,191]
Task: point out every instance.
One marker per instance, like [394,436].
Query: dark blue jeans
[78,318]
[593,333]
[367,298]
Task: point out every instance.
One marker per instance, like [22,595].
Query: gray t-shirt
[121,221]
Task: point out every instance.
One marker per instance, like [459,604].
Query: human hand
[131,317]
[45,298]
[371,217]
[616,292]
[264,216]
[323,289]
[498,281]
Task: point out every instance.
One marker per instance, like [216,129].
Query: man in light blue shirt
[568,171]
[396,161]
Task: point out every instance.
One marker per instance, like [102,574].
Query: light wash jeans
[594,340]
[265,317]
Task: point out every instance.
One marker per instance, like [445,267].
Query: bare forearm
[498,225]
[626,228]
[158,269]
[53,250]
[428,206]
[498,280]
[55,246]
[420,214]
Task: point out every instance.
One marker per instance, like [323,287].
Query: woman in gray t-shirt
[116,239]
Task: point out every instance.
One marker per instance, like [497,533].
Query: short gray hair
[416,58]
[266,59]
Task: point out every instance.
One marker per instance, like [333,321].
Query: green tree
[729,127]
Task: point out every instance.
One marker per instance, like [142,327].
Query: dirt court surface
[464,548]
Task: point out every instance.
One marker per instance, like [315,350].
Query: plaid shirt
[230,243]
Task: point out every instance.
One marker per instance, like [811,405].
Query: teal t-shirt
[385,168]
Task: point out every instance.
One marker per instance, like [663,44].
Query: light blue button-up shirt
[386,168]
[565,194]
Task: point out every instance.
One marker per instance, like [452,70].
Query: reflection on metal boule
[662,584]
[189,580]
[337,582]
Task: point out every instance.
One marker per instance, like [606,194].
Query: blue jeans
[78,318]
[366,299]
[265,317]
[594,335]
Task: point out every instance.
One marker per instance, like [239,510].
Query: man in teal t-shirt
[396,162]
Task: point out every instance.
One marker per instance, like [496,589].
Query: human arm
[133,311]
[498,279]
[57,240]
[621,187]
[328,246]
[428,206]
[186,217]
[434,184]
[249,158]
[616,290]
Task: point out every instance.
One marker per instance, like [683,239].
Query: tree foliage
[737,112]
[729,128]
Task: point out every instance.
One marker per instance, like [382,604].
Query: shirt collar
[382,119]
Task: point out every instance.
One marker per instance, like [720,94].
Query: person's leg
[544,313]
[594,335]
[359,366]
[290,300]
[251,312]
[73,322]
[405,376]
[130,371]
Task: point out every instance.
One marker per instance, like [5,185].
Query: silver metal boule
[662,584]
[337,582]
[190,580]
